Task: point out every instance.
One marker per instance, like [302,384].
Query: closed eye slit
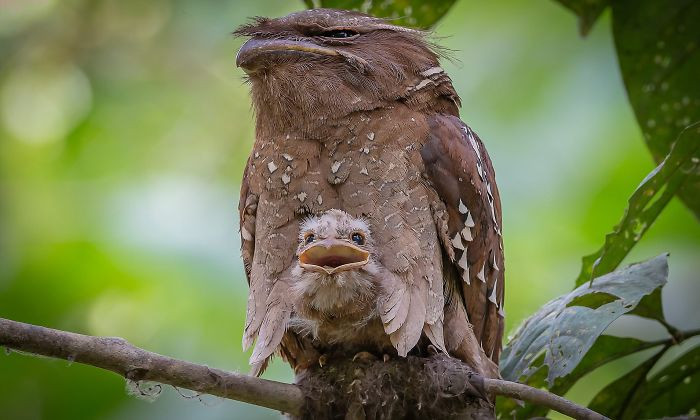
[339,33]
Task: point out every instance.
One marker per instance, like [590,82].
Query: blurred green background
[124,128]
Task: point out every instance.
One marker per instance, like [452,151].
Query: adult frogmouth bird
[354,113]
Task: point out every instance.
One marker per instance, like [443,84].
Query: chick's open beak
[332,255]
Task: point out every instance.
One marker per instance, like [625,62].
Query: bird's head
[333,243]
[329,63]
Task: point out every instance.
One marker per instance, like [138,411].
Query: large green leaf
[414,13]
[675,390]
[606,349]
[645,204]
[618,399]
[658,47]
[564,331]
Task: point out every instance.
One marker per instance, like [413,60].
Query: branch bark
[133,363]
[117,355]
[539,397]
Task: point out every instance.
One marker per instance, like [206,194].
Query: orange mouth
[332,256]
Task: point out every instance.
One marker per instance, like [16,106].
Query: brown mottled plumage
[354,113]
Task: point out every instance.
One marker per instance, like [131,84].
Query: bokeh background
[124,128]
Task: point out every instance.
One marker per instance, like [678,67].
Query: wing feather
[247,210]
[395,307]
[274,323]
[408,335]
[458,167]
[436,334]
[266,267]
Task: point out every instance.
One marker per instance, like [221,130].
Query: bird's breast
[360,164]
[370,167]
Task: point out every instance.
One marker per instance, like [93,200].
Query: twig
[674,332]
[539,397]
[136,364]
[133,363]
[684,335]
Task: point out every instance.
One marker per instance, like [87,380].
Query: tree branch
[136,364]
[539,397]
[133,363]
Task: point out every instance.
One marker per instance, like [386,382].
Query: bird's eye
[339,33]
[358,238]
[309,237]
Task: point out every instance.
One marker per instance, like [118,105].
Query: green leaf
[564,333]
[675,390]
[592,300]
[645,204]
[618,399]
[413,13]
[606,349]
[587,11]
[658,47]
[651,307]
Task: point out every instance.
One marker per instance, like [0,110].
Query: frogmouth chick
[336,284]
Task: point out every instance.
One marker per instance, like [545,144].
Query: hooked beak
[331,256]
[250,54]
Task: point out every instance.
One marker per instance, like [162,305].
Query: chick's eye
[310,237]
[358,238]
[339,33]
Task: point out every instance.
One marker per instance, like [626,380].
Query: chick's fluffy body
[339,309]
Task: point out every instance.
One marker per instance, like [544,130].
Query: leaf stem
[677,336]
[684,335]
[673,331]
